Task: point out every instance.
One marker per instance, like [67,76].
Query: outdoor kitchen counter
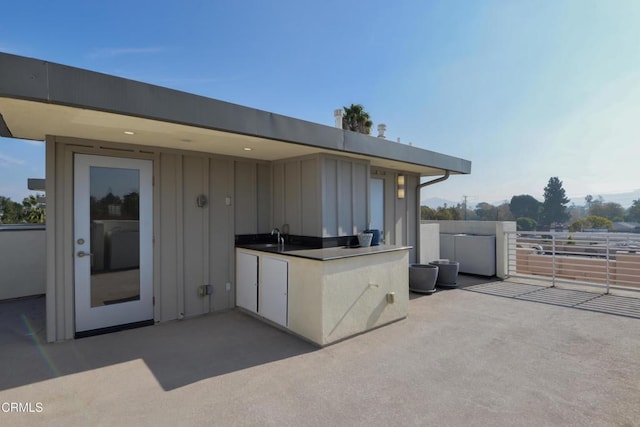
[335,293]
[323,254]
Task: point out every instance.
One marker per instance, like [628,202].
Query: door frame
[90,320]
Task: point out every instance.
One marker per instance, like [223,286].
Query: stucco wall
[429,243]
[22,261]
[332,300]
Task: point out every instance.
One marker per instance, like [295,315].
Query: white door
[247,281]
[113,242]
[273,290]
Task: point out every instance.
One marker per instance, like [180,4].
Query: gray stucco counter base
[332,296]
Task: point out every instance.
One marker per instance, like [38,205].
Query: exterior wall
[197,242]
[22,261]
[410,210]
[321,196]
[193,245]
[296,196]
[472,227]
[59,190]
[252,197]
[221,238]
[345,196]
[429,243]
[400,214]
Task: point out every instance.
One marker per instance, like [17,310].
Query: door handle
[83,254]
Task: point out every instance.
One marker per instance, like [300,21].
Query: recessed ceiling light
[247,149]
[128,132]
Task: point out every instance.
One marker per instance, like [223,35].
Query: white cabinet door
[247,281]
[273,290]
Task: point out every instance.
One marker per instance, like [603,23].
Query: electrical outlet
[228,286]
[201,291]
[391,297]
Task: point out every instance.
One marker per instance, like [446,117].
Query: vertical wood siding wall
[320,196]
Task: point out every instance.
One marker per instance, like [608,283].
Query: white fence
[22,261]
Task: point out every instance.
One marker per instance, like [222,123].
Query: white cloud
[9,161]
[111,52]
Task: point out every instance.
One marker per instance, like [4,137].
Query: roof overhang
[39,98]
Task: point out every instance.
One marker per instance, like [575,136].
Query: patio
[466,356]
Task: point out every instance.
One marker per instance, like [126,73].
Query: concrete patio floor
[460,358]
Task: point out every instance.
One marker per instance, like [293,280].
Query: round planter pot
[447,273]
[422,278]
[364,239]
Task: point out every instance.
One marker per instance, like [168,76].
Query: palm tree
[33,210]
[356,119]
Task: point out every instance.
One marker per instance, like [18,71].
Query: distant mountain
[436,202]
[625,199]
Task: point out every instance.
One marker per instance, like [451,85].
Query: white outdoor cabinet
[247,281]
[475,253]
[273,290]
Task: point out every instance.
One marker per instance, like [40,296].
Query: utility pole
[465,207]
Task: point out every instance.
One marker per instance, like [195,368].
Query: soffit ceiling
[35,120]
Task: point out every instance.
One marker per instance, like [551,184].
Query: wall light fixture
[400,188]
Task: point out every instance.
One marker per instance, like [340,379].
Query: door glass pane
[377,204]
[115,238]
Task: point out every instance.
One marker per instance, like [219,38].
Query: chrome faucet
[280,239]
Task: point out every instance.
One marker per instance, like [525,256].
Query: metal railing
[602,260]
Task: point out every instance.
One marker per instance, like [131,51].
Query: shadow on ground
[617,305]
[464,280]
[178,353]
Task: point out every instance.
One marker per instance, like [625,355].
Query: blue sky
[526,90]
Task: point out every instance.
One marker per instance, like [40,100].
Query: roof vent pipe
[338,115]
[382,128]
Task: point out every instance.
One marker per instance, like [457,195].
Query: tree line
[531,214]
[30,211]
